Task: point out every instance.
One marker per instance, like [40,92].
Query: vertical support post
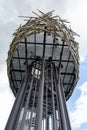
[39,111]
[61,100]
[66,111]
[47,116]
[58,115]
[35,41]
[46,106]
[27,102]
[14,116]
[53,100]
[47,122]
[32,109]
[16,108]
[26,56]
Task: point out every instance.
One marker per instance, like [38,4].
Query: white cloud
[76,14]
[6,97]
[78,115]
[82,59]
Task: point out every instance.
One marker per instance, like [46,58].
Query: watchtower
[43,70]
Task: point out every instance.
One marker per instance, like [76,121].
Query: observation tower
[43,67]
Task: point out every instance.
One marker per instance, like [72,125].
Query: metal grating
[53,52]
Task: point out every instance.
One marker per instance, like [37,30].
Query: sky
[72,10]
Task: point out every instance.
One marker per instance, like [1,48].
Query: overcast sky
[72,10]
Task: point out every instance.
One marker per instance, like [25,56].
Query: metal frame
[42,68]
[40,99]
[36,58]
[42,95]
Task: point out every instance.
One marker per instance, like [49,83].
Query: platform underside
[56,50]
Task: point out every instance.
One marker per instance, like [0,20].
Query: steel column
[27,102]
[61,102]
[57,100]
[66,112]
[46,126]
[39,111]
[16,108]
[47,122]
[53,99]
[32,109]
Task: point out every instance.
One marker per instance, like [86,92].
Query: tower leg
[13,118]
[53,100]
[39,111]
[27,102]
[63,115]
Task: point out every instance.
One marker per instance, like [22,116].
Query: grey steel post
[46,74]
[39,111]
[27,102]
[60,99]
[47,122]
[57,99]
[66,112]
[53,100]
[33,102]
[16,108]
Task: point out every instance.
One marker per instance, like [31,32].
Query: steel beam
[34,59]
[16,108]
[65,108]
[19,63]
[27,102]
[47,44]
[53,99]
[39,111]
[32,109]
[62,107]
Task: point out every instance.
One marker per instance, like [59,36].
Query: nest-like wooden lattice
[56,26]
